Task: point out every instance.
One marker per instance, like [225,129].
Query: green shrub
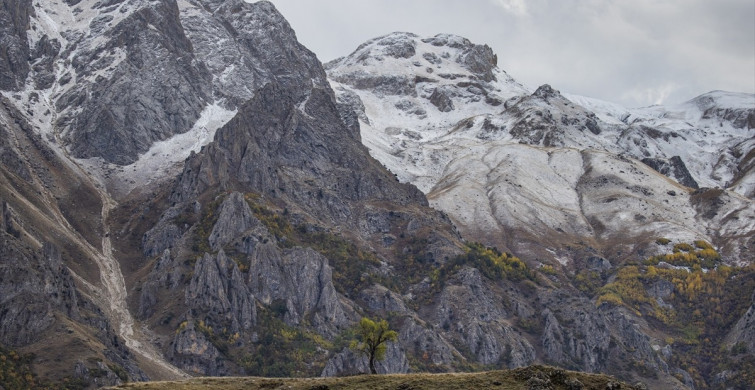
[493,264]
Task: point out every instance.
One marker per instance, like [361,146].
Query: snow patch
[165,158]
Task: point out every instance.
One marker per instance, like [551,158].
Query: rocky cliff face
[49,304]
[188,161]
[14,67]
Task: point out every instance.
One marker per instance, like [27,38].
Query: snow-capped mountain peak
[439,114]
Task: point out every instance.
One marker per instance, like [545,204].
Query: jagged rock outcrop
[547,118]
[166,274]
[250,42]
[14,44]
[305,156]
[34,285]
[673,168]
[440,99]
[234,218]
[471,315]
[416,336]
[302,280]
[192,350]
[218,290]
[120,116]
[744,330]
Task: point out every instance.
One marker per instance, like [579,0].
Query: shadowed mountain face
[185,190]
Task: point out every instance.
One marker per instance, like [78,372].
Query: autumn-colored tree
[373,336]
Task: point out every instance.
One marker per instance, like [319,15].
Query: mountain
[187,190]
[512,166]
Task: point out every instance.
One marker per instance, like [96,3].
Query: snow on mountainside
[133,257]
[512,166]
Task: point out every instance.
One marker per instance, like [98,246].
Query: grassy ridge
[522,378]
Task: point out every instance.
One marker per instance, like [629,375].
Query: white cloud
[650,95]
[516,7]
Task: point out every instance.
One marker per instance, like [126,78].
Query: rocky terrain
[187,191]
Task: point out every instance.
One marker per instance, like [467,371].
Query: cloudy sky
[633,52]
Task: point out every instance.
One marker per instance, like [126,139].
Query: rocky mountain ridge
[191,223]
[512,166]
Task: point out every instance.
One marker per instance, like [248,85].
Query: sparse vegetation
[283,350]
[705,298]
[16,374]
[494,264]
[588,281]
[548,270]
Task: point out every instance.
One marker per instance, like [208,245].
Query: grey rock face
[739,117]
[234,218]
[217,288]
[440,99]
[547,118]
[33,287]
[426,343]
[166,274]
[162,236]
[302,279]
[577,334]
[250,42]
[381,85]
[305,156]
[9,155]
[379,299]
[351,110]
[269,38]
[673,168]
[121,116]
[480,60]
[415,335]
[14,44]
[744,330]
[471,316]
[587,345]
[45,53]
[195,353]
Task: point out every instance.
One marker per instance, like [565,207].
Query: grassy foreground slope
[535,377]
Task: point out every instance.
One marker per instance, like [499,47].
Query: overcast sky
[632,52]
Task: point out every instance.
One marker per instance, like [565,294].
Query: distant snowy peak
[410,92]
[449,52]
[406,64]
[507,163]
